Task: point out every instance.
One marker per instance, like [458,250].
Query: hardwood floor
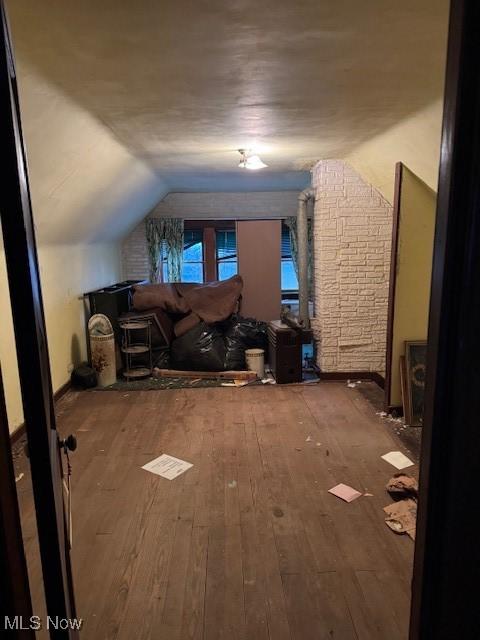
[247,544]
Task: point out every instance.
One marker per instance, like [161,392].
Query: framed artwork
[415,369]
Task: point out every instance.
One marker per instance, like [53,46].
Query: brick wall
[134,254]
[205,206]
[352,240]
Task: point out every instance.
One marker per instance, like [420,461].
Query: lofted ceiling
[180,85]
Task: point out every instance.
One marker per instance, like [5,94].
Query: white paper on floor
[343,491]
[398,459]
[167,466]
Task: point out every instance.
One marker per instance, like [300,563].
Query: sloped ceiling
[124,101]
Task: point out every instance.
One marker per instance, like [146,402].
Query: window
[193,256]
[209,251]
[226,253]
[289,278]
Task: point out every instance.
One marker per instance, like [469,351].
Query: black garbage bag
[200,349]
[84,377]
[161,358]
[241,334]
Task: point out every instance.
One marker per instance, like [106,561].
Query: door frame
[392,287]
[15,598]
[447,552]
[32,349]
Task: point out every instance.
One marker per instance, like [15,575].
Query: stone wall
[352,241]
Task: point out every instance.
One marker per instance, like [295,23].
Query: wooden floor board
[248,544]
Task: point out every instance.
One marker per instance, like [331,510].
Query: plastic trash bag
[161,358]
[202,348]
[240,334]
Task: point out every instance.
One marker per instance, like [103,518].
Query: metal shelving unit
[135,345]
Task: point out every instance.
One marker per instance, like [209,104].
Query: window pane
[226,244]
[289,277]
[192,236]
[193,253]
[192,272]
[227,269]
[286,244]
[165,272]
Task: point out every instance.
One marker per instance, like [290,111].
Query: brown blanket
[211,302]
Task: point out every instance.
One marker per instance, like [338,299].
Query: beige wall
[228,205]
[352,240]
[67,271]
[414,141]
[86,186]
[413,271]
[87,191]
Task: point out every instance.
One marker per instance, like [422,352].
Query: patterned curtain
[165,239]
[154,232]
[173,236]
[292,227]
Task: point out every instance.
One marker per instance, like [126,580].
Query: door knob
[69,443]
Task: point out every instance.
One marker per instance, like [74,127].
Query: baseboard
[59,393]
[19,432]
[373,376]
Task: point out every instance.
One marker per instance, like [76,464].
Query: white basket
[256,361]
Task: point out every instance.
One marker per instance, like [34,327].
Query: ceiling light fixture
[249,161]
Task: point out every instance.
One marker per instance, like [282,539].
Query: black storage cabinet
[284,352]
[112,301]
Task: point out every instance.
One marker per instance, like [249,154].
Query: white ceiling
[181,85]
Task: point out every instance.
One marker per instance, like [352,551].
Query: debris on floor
[232,484]
[19,477]
[390,418]
[167,466]
[352,384]
[241,383]
[402,517]
[397,459]
[308,439]
[368,495]
[401,485]
[344,492]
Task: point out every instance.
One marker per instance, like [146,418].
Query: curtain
[154,232]
[173,236]
[291,223]
[165,240]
